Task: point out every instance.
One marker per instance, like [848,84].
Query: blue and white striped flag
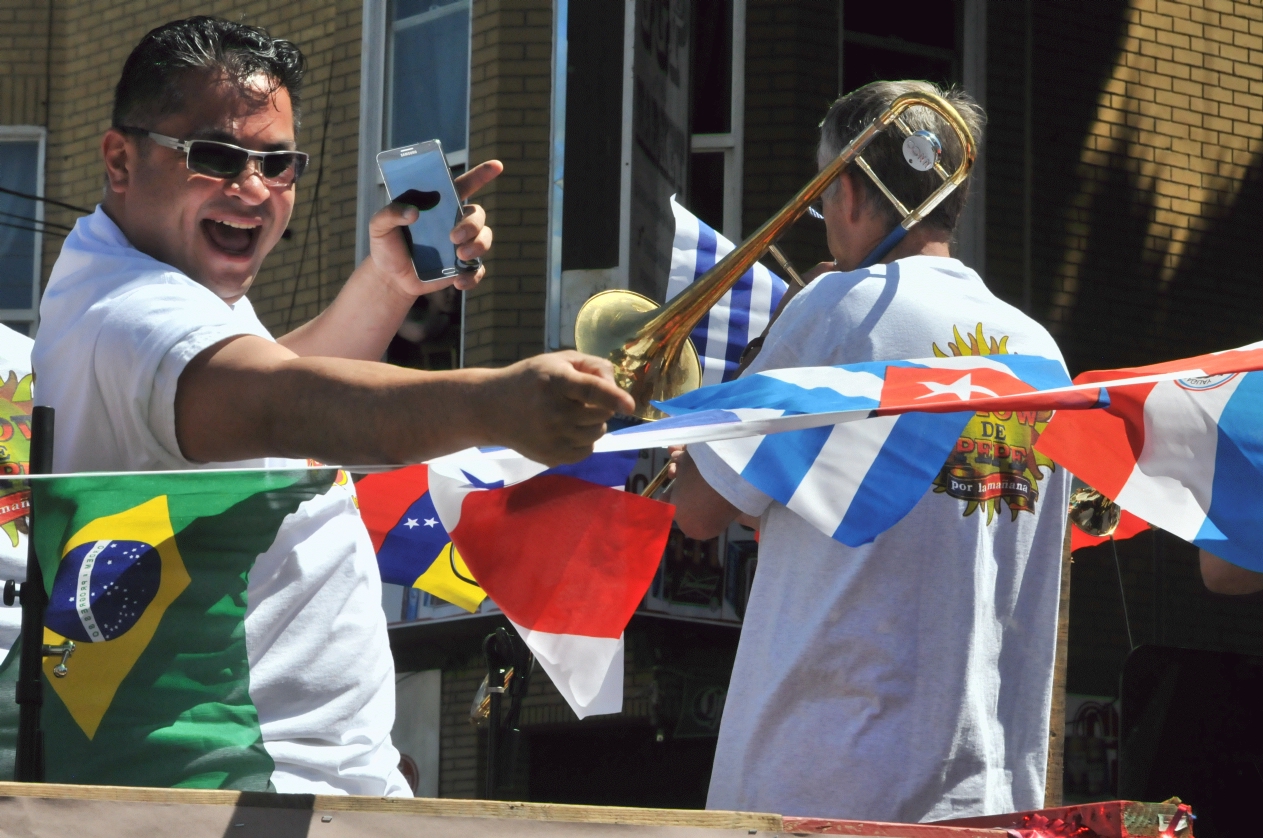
[740,315]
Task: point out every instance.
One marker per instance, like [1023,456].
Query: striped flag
[740,315]
[855,480]
[1180,446]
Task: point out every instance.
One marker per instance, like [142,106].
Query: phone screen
[418,176]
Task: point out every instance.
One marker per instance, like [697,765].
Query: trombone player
[908,679]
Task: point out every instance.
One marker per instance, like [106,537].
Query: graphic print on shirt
[994,461]
[15,452]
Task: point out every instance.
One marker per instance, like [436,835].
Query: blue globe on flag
[102,588]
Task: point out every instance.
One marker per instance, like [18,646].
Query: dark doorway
[619,765]
[1191,728]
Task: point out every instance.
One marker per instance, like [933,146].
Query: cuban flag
[564,556]
[1180,446]
[740,316]
[854,480]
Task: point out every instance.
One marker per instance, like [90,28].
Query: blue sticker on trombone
[922,149]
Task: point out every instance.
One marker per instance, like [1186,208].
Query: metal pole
[29,760]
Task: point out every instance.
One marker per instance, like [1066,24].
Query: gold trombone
[649,343]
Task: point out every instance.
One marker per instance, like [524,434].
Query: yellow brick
[1156,21]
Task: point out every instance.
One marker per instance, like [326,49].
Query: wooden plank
[552,812]
[873,829]
[38,817]
[1054,782]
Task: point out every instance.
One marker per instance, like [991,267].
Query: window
[885,42]
[594,94]
[428,75]
[717,113]
[414,86]
[21,219]
[943,43]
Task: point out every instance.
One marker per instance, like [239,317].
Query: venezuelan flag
[412,547]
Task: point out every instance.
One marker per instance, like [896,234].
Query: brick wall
[510,84]
[23,62]
[1147,200]
[1148,136]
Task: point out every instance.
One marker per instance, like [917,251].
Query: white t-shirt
[908,679]
[15,447]
[117,328]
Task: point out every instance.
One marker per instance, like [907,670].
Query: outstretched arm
[369,309]
[247,397]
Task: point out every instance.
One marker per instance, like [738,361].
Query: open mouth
[232,237]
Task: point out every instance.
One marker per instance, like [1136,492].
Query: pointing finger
[476,178]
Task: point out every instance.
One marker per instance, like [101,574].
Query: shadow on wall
[1156,203]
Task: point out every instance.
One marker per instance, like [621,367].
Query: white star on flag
[410,523]
[431,522]
[962,388]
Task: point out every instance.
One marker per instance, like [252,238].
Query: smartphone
[418,175]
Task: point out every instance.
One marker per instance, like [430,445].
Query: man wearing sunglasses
[152,356]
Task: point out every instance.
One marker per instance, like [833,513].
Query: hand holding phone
[418,175]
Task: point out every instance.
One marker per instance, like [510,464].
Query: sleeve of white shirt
[780,351]
[146,340]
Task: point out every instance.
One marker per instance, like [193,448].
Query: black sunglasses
[224,160]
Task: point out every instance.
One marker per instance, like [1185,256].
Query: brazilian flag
[147,574]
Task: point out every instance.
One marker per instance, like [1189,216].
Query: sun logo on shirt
[994,461]
[15,452]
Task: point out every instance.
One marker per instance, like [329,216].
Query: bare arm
[246,397]
[372,304]
[700,511]
[1223,577]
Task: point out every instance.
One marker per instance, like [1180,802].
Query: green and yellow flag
[147,574]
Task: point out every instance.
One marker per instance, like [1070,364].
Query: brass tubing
[647,344]
[785,265]
[689,308]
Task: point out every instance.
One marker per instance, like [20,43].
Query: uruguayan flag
[740,315]
[854,480]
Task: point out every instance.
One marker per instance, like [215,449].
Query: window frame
[38,134]
[376,63]
[731,144]
[558,320]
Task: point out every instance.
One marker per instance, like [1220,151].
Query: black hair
[153,81]
[852,114]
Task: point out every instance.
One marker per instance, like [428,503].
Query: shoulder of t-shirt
[828,311]
[931,275]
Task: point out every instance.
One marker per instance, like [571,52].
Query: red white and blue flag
[1180,446]
[854,480]
[566,557]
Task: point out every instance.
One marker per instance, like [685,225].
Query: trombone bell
[608,325]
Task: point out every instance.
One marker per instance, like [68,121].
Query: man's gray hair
[853,112]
